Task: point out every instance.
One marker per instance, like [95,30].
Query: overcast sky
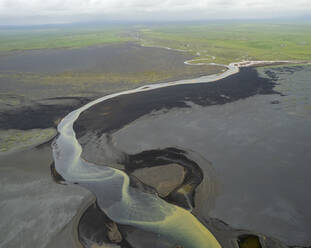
[64,11]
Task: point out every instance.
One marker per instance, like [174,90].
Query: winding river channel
[127,205]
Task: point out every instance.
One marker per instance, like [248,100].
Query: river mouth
[112,142]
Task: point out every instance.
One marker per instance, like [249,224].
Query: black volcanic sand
[121,110]
[34,210]
[153,158]
[31,73]
[41,114]
[259,151]
[29,99]
[101,126]
[110,58]
[27,103]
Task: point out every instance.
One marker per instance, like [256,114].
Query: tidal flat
[90,70]
[38,87]
[36,93]
[234,151]
[252,131]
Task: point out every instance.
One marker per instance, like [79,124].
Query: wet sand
[34,209]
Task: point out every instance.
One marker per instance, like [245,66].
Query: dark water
[259,145]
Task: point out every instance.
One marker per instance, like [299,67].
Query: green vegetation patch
[228,42]
[235,42]
[51,38]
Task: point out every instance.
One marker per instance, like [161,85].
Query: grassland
[59,37]
[228,42]
[234,42]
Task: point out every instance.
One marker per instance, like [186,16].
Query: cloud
[73,10]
